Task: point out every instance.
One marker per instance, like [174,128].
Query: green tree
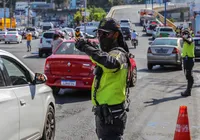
[117,2]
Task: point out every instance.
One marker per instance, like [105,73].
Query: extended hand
[80,44]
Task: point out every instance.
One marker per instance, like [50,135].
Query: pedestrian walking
[188,61]
[29,39]
[109,89]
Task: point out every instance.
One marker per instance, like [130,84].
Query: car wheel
[18,42]
[150,66]
[5,42]
[55,90]
[40,54]
[133,79]
[49,125]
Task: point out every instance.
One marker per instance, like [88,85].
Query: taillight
[47,67]
[41,40]
[149,50]
[160,35]
[175,51]
[16,36]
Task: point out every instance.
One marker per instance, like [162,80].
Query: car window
[2,32]
[15,73]
[48,35]
[197,42]
[68,48]
[172,42]
[30,29]
[13,33]
[125,29]
[2,82]
[166,30]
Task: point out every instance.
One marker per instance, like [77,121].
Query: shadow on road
[137,24]
[71,96]
[162,100]
[35,56]
[158,69]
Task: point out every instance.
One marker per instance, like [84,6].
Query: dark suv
[126,33]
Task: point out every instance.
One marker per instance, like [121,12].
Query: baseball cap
[108,25]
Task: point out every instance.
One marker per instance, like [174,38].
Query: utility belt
[188,58]
[108,113]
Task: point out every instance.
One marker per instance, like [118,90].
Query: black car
[197,46]
[126,32]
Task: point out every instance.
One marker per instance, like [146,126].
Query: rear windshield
[48,35]
[12,33]
[2,32]
[197,42]
[166,30]
[172,42]
[123,20]
[125,24]
[46,27]
[68,48]
[30,29]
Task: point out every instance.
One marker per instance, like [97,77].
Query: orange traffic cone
[182,131]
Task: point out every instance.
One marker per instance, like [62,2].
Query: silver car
[2,35]
[165,51]
[26,103]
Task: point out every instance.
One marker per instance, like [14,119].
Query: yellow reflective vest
[77,35]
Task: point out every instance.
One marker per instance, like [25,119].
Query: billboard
[2,13]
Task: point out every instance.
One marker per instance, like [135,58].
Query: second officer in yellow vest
[188,59]
[110,83]
[77,33]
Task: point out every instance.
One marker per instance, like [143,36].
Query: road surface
[155,99]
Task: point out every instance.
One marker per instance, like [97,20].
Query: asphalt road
[155,99]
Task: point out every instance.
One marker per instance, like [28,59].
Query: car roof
[167,38]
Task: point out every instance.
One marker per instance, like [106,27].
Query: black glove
[81,44]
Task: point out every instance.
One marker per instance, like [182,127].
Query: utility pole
[4,6]
[28,12]
[165,14]
[85,15]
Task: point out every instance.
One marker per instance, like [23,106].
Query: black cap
[108,25]
[186,32]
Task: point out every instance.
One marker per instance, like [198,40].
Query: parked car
[45,46]
[165,51]
[197,46]
[27,104]
[2,35]
[164,32]
[126,31]
[67,67]
[13,36]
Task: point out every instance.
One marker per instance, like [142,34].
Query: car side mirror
[40,78]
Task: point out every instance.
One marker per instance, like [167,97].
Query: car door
[9,124]
[30,105]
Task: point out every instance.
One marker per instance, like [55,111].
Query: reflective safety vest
[77,35]
[188,50]
[113,83]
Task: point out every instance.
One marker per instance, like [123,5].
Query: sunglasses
[104,34]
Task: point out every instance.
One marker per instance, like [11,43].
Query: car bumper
[149,31]
[11,40]
[81,82]
[173,59]
[45,50]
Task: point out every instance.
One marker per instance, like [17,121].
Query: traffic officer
[177,31]
[188,61]
[77,33]
[28,39]
[109,88]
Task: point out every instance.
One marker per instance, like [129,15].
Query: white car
[2,35]
[13,36]
[27,104]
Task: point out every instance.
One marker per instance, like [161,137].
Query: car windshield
[172,42]
[48,35]
[197,42]
[166,29]
[30,29]
[46,27]
[124,24]
[125,29]
[12,33]
[68,48]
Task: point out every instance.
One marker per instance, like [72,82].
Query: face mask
[106,44]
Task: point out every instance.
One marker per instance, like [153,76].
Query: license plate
[161,50]
[197,48]
[68,83]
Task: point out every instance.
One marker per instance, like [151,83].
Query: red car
[67,67]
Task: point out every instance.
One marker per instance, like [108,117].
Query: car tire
[5,42]
[18,42]
[55,90]
[49,125]
[133,79]
[150,66]
[40,53]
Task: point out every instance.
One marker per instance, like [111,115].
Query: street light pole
[85,15]
[165,14]
[4,6]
